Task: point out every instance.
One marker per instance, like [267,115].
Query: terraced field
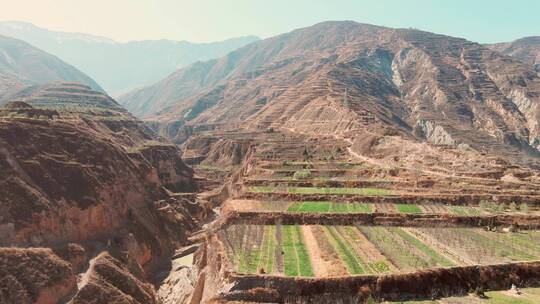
[321,190]
[350,250]
[359,207]
[526,296]
[334,207]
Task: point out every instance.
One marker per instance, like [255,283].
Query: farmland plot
[408,208]
[313,250]
[330,259]
[366,251]
[354,263]
[482,247]
[296,258]
[333,207]
[321,190]
[403,249]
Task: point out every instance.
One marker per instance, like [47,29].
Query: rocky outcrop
[109,281]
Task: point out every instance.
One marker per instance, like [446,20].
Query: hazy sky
[210,20]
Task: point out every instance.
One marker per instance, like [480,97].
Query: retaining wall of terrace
[325,183]
[425,284]
[451,199]
[380,219]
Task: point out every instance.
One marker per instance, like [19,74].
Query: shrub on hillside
[302,174]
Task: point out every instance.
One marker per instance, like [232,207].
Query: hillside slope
[120,67]
[339,77]
[77,168]
[525,49]
[23,65]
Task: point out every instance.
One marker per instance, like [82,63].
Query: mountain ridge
[23,65]
[526,49]
[111,63]
[442,89]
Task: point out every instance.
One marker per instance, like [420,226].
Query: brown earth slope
[525,49]
[75,167]
[350,79]
[23,65]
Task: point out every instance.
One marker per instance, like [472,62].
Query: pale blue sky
[210,20]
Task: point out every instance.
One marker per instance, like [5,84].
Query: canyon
[342,162]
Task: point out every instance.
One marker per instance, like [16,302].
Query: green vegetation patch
[496,297]
[334,207]
[302,174]
[379,267]
[408,208]
[345,251]
[296,257]
[464,210]
[398,253]
[498,248]
[267,253]
[433,255]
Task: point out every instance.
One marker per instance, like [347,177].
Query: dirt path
[319,268]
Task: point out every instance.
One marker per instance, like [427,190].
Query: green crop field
[400,252]
[266,262]
[357,250]
[464,210]
[528,296]
[345,251]
[435,258]
[307,206]
[408,208]
[335,207]
[296,257]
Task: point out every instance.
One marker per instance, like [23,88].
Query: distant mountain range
[22,65]
[120,67]
[437,88]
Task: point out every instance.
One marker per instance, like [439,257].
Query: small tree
[524,207]
[302,174]
[512,206]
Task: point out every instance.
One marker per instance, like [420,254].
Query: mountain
[120,67]
[335,77]
[525,49]
[82,177]
[23,65]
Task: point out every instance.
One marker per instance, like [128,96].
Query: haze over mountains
[23,65]
[120,67]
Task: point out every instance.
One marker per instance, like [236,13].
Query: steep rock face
[525,49]
[76,167]
[34,276]
[109,281]
[23,65]
[345,78]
